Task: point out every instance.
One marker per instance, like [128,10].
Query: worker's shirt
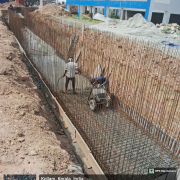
[11,8]
[101,79]
[71,68]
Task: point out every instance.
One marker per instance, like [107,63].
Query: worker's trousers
[67,82]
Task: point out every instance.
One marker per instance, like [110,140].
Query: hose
[58,82]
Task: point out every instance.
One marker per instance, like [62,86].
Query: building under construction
[139,130]
[156,11]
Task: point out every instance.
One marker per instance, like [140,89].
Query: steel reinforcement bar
[140,129]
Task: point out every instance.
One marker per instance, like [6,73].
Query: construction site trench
[140,129]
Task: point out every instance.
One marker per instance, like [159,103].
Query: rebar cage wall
[144,87]
[145,78]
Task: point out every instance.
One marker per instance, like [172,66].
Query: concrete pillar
[125,14]
[119,12]
[166,17]
[89,8]
[41,3]
[150,16]
[68,7]
[98,10]
[122,12]
[146,14]
[81,10]
[106,11]
[110,11]
[93,11]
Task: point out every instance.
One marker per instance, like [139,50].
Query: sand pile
[136,26]
[7,4]
[100,17]
[138,21]
[52,10]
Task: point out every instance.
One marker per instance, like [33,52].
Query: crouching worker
[70,71]
[99,81]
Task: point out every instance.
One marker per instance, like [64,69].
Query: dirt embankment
[27,143]
[52,10]
[5,6]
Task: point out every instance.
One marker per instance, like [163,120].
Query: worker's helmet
[70,59]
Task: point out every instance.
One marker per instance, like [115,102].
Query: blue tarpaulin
[3,1]
[170,44]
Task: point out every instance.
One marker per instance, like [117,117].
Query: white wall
[162,1]
[131,0]
[167,7]
[61,1]
[175,6]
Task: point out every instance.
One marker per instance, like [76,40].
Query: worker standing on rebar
[70,71]
[11,7]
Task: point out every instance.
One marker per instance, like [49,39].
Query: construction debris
[75,168]
[170,44]
[73,9]
[173,28]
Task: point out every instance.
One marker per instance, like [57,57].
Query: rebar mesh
[140,129]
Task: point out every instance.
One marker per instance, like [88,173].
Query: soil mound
[7,4]
[52,10]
